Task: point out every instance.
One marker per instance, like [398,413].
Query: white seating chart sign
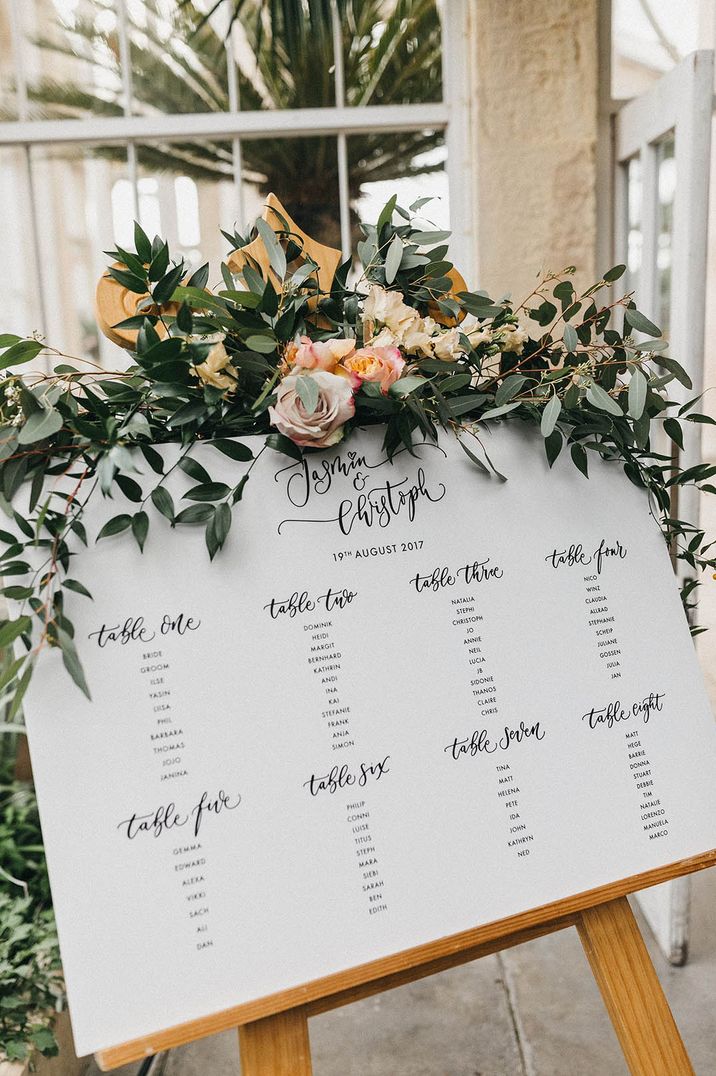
[405,699]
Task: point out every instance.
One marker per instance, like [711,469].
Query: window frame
[452,115]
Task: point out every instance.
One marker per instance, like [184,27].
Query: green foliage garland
[212,364]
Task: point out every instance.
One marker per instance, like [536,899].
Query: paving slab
[458,1023]
[563,1026]
[561,1021]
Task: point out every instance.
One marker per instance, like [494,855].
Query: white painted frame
[453,115]
[680,103]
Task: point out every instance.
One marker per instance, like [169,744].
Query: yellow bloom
[209,371]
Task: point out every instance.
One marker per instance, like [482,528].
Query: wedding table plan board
[405,699]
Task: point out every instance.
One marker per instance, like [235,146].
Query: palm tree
[392,54]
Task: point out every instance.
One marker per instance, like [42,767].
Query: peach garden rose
[381,364]
[324,426]
[321,354]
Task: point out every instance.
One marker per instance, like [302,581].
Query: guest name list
[405,699]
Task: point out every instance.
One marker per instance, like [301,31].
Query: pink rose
[324,426]
[321,354]
[381,364]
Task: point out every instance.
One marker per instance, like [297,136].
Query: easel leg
[276,1046]
[632,992]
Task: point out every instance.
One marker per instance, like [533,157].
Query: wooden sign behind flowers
[283,354]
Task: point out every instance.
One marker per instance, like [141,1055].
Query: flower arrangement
[297,348]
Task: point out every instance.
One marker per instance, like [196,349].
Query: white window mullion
[344,201]
[648,298]
[279,123]
[125,64]
[459,94]
[235,106]
[17,34]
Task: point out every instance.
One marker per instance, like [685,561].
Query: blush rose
[324,426]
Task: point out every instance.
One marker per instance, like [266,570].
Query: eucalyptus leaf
[673,428]
[601,399]
[640,322]
[72,662]
[13,629]
[571,340]
[265,345]
[77,587]
[504,409]
[471,455]
[277,258]
[307,390]
[39,426]
[509,388]
[405,385]
[637,393]
[426,238]
[550,415]
[393,259]
[614,274]
[20,352]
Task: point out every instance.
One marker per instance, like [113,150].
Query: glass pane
[69,50]
[188,197]
[393,52]
[179,59]
[186,194]
[275,71]
[72,55]
[21,312]
[8,102]
[666,179]
[651,38]
[303,174]
[634,215]
[72,189]
[410,164]
[85,205]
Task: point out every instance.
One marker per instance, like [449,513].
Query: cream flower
[385,338]
[419,335]
[513,338]
[322,428]
[381,364]
[447,345]
[209,371]
[479,336]
[387,308]
[321,354]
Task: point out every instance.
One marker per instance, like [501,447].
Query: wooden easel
[273,1031]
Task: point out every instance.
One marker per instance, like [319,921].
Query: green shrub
[31,983]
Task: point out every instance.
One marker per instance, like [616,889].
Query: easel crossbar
[398,969]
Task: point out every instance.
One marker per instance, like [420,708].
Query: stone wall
[537,116]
